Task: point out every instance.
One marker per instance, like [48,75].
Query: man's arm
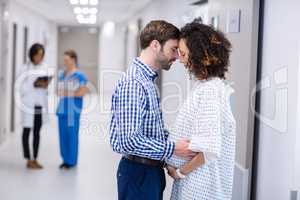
[129,113]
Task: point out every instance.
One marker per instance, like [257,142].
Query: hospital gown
[207,120]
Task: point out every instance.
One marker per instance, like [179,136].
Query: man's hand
[172,172]
[182,149]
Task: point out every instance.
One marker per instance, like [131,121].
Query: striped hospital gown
[206,119]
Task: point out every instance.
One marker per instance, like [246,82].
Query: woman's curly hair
[208,48]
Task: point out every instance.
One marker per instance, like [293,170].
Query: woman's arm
[196,162]
[187,168]
[81,91]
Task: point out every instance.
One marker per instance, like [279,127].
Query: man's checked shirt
[136,125]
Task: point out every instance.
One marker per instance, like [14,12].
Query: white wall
[3,53]
[40,30]
[84,40]
[111,56]
[132,39]
[278,162]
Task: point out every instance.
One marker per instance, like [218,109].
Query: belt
[145,161]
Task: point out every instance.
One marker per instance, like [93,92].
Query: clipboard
[42,81]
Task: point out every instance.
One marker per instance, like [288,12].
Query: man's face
[168,54]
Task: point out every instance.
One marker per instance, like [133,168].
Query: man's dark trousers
[139,181]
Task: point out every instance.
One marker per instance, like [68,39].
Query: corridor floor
[93,178]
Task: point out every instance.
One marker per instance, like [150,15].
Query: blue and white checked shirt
[136,125]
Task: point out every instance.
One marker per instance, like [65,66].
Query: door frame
[13,74]
[257,122]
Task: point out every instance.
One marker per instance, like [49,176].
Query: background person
[34,96]
[71,89]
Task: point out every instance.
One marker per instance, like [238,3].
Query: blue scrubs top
[70,105]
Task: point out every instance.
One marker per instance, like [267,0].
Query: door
[3,62]
[278,88]
[13,76]
[1,65]
[25,44]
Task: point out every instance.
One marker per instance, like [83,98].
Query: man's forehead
[172,42]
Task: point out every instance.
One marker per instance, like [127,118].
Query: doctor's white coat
[27,96]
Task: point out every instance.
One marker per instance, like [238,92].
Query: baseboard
[240,183]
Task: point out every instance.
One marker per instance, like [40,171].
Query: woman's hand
[62,93]
[40,84]
[172,172]
[78,93]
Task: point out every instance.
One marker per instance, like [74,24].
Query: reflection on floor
[93,179]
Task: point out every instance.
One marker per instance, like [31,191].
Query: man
[136,128]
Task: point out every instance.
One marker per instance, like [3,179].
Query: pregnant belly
[176,161]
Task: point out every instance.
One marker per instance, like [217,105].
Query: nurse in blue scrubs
[71,89]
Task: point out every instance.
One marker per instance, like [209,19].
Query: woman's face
[38,58]
[68,61]
[183,52]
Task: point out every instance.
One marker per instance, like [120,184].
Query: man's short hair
[159,30]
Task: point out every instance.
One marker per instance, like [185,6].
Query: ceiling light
[85,10]
[80,17]
[74,2]
[6,15]
[94,17]
[77,10]
[92,20]
[94,2]
[109,29]
[84,2]
[93,11]
[82,21]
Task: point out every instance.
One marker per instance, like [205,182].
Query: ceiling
[61,11]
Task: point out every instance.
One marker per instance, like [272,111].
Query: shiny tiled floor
[93,179]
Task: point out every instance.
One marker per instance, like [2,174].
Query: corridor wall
[40,30]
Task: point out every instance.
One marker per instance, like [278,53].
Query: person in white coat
[34,100]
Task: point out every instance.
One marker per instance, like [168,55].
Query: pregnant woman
[205,118]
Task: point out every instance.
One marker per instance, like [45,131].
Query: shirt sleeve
[130,112]
[27,80]
[207,124]
[23,86]
[60,75]
[82,79]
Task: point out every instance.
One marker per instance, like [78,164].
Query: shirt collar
[146,69]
